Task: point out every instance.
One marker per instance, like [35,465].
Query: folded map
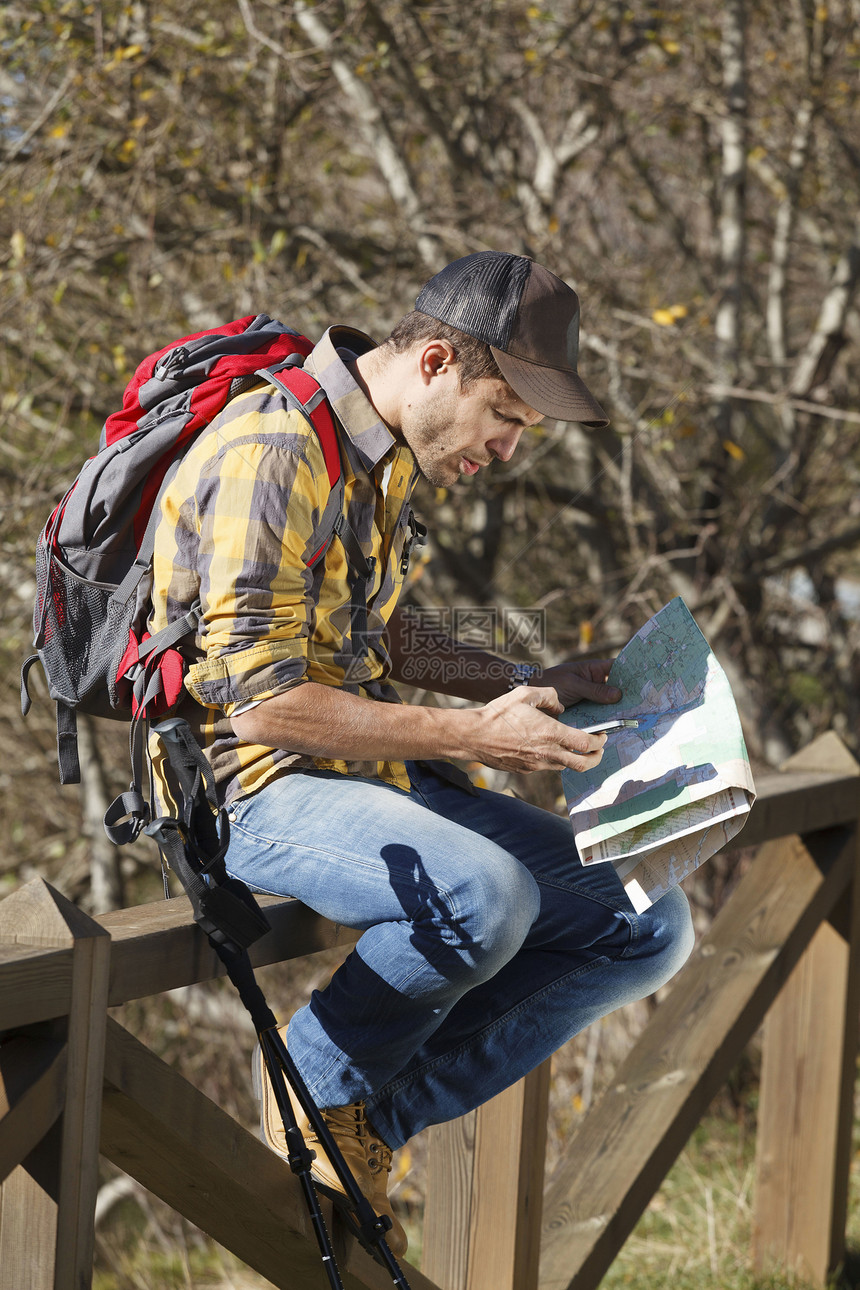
[671,793]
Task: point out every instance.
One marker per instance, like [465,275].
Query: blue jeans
[486,943]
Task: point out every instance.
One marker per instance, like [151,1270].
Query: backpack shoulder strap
[304,394]
[307,396]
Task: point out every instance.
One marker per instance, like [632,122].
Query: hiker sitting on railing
[486,944]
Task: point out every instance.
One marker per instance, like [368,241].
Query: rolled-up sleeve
[257,509]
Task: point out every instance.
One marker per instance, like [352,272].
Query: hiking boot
[367,1156]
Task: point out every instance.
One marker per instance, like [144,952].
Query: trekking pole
[194,847]
[369,1227]
[299,1157]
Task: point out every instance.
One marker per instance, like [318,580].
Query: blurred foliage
[692,170]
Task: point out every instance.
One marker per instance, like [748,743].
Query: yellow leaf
[531,55]
[671,47]
[586,634]
[130,51]
[669,315]
[821,13]
[441,494]
[139,122]
[59,132]
[734,450]
[553,225]
[533,12]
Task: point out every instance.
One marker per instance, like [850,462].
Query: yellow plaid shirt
[239,523]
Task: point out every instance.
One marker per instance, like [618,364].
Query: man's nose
[505,445]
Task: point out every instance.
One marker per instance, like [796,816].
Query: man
[485,943]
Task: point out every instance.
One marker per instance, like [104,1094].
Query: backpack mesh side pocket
[80,635]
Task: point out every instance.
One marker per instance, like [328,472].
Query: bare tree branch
[815,362]
[20,146]
[732,231]
[372,126]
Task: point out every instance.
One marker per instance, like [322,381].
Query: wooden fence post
[482,1218]
[807,1084]
[47,1203]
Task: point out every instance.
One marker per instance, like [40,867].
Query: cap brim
[563,395]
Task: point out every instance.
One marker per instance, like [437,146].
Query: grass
[697,1232]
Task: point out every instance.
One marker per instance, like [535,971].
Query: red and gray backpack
[94,555]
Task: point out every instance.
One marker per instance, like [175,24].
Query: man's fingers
[576,750]
[588,745]
[543,697]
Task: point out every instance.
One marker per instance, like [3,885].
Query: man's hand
[519,732]
[576,681]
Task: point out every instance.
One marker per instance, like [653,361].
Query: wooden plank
[28,1220]
[806,1104]
[628,1141]
[180,1145]
[801,1164]
[79,1159]
[156,947]
[450,1170]
[159,947]
[32,1092]
[482,1217]
[35,984]
[799,803]
[48,1202]
[507,1204]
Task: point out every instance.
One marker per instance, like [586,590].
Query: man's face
[453,432]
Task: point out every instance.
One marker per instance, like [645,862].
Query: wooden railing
[783,951]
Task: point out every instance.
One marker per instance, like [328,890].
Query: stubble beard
[425,434]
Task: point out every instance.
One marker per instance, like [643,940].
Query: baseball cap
[530,320]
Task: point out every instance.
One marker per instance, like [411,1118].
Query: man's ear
[436,358]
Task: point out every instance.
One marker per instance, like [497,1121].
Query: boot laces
[351,1121]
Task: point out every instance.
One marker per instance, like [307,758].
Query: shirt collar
[328,363]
